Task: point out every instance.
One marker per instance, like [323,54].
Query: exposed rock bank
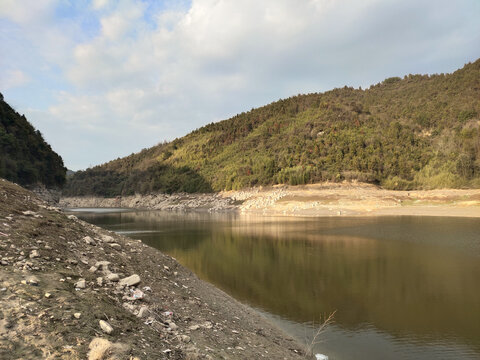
[328,199]
[72,290]
[178,202]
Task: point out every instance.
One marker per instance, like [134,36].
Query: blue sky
[102,79]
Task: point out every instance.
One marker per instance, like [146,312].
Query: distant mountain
[419,131]
[25,157]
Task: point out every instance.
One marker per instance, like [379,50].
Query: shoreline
[73,290]
[316,200]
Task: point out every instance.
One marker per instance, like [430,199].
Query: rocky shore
[177,202]
[327,199]
[71,290]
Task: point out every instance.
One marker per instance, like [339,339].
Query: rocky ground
[327,199]
[70,290]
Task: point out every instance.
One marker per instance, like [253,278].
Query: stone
[103,349]
[129,307]
[130,281]
[32,280]
[207,325]
[142,312]
[112,277]
[48,295]
[93,269]
[77,315]
[107,239]
[100,281]
[172,325]
[115,246]
[89,241]
[29,213]
[81,284]
[106,327]
[185,338]
[102,265]
[34,254]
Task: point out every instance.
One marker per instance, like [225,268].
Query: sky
[102,79]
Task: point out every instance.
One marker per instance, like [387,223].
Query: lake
[401,287]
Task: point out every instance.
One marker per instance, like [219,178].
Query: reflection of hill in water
[302,269]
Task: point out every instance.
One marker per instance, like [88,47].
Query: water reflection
[403,287]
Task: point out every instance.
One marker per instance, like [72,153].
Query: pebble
[102,265]
[115,246]
[185,338]
[34,254]
[77,315]
[33,281]
[81,284]
[172,325]
[106,327]
[142,312]
[107,238]
[112,277]
[130,281]
[89,240]
[48,295]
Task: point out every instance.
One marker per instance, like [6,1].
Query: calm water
[402,287]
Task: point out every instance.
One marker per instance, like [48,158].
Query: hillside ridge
[415,132]
[25,157]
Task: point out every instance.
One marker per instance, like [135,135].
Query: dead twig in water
[309,347]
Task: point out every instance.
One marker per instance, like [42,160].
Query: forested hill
[419,131]
[25,157]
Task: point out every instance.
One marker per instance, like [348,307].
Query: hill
[25,157]
[415,132]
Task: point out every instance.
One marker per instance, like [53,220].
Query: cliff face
[25,157]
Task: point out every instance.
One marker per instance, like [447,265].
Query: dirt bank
[329,199]
[71,290]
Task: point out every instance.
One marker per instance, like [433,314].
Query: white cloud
[26,11]
[13,78]
[155,71]
[99,4]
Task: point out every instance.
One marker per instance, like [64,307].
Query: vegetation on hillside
[422,131]
[25,157]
